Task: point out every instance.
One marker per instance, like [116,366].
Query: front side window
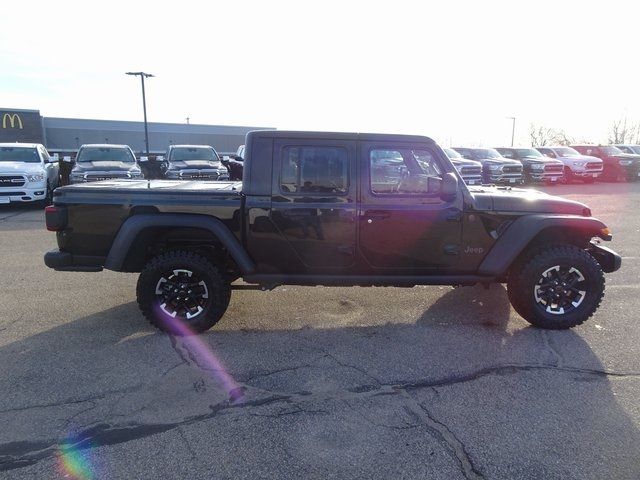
[19,154]
[402,171]
[103,154]
[314,170]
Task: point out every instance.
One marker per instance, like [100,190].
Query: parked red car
[616,164]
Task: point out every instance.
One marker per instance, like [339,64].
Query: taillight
[56,218]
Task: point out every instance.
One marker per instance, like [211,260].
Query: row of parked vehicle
[28,173]
[182,162]
[549,165]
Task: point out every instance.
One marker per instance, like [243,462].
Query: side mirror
[66,158]
[144,159]
[449,189]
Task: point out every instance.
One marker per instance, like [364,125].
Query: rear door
[403,228]
[313,203]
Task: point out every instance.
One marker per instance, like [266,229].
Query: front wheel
[557,288]
[182,293]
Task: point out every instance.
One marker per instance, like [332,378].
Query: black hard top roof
[339,136]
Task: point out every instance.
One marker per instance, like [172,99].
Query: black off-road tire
[526,279]
[154,305]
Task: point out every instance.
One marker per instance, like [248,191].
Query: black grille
[512,169]
[199,176]
[471,170]
[553,168]
[12,194]
[11,180]
[594,166]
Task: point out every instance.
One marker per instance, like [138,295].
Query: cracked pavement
[428,382]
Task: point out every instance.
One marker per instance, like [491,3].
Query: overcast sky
[451,70]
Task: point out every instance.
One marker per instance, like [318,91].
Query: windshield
[193,153]
[528,152]
[486,153]
[566,152]
[451,153]
[609,150]
[101,154]
[19,154]
[634,149]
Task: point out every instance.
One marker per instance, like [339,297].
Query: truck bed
[96,210]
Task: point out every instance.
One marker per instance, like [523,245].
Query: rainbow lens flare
[74,459]
[205,356]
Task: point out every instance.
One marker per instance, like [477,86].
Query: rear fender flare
[137,223]
[523,230]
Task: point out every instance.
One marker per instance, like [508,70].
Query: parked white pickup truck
[27,173]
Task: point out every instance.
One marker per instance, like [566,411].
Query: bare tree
[622,131]
[541,135]
[561,138]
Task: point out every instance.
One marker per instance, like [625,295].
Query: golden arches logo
[14,119]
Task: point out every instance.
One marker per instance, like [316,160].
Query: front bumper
[23,194]
[543,177]
[472,179]
[65,262]
[507,179]
[587,173]
[609,260]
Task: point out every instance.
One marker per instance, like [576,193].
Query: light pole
[142,76]
[513,128]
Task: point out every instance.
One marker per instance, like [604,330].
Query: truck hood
[544,160]
[104,165]
[200,164]
[579,158]
[20,167]
[459,162]
[500,161]
[506,199]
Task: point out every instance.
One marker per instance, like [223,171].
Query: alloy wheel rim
[560,289]
[182,294]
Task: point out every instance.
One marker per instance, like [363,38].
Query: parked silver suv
[27,173]
[576,165]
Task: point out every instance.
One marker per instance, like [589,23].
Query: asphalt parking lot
[428,382]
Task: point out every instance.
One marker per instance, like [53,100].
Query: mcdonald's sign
[14,121]
[21,126]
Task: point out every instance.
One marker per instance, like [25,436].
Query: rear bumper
[65,262]
[609,260]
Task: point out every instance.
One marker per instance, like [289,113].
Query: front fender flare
[134,225]
[516,238]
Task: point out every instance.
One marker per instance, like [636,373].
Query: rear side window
[507,153]
[314,170]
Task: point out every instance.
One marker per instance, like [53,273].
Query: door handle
[376,215]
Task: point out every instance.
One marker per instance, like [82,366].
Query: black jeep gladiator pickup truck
[332,209]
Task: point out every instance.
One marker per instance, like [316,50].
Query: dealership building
[66,135]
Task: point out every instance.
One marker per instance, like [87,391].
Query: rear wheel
[556,288]
[182,292]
